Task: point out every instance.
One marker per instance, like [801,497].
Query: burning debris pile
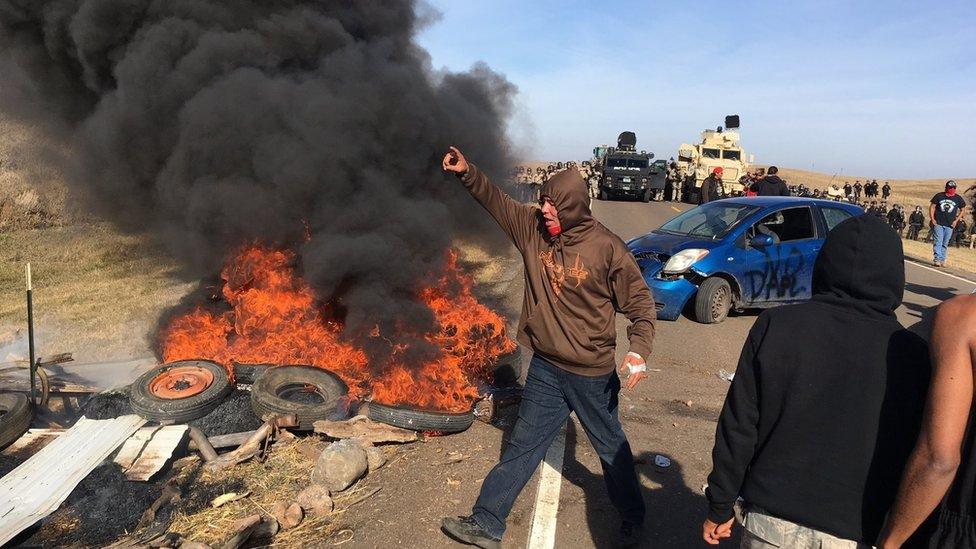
[275,317]
[314,128]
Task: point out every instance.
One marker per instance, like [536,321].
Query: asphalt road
[672,413]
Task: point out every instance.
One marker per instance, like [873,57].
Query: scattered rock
[311,451]
[266,530]
[688,403]
[341,464]
[375,458]
[315,499]
[287,515]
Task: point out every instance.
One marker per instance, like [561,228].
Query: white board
[38,486]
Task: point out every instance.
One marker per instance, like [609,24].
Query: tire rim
[719,303]
[181,382]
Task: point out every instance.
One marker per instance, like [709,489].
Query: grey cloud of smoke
[211,124]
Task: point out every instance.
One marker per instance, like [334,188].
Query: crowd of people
[526,181]
[841,428]
[870,195]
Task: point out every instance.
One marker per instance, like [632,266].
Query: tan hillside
[904,191]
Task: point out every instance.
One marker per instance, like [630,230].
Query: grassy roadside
[97,293]
[963,259]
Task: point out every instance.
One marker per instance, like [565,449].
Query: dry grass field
[97,293]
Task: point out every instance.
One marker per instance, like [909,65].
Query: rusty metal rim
[180,382]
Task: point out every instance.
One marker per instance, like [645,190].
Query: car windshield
[711,153]
[712,220]
[732,155]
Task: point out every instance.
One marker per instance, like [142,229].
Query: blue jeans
[941,237]
[550,395]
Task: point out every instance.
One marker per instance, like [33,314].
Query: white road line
[543,532]
[940,272]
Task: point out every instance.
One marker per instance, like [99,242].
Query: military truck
[718,148]
[625,172]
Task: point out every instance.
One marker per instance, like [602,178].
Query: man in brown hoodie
[578,275]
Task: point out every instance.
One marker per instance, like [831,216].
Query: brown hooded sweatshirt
[574,282]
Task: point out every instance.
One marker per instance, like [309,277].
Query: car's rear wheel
[713,301]
[603,194]
[646,197]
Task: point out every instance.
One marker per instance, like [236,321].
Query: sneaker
[630,535]
[466,530]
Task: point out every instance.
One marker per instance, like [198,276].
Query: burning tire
[308,392]
[15,417]
[420,420]
[179,391]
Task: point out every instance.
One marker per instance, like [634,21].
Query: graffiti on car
[780,277]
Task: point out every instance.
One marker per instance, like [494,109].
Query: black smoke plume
[214,123]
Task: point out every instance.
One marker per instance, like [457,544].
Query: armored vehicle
[718,148]
[629,173]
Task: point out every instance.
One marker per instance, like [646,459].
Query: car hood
[670,244]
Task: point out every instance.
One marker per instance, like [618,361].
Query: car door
[783,271]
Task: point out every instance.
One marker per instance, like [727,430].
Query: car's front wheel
[713,301]
[603,195]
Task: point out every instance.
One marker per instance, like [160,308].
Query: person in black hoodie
[772,185]
[825,406]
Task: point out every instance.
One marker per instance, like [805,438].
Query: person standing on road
[896,219]
[825,405]
[711,188]
[577,276]
[857,190]
[849,191]
[772,185]
[946,447]
[885,191]
[945,211]
[915,222]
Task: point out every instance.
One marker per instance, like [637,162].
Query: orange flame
[276,318]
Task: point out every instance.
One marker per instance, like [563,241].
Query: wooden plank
[543,532]
[134,446]
[38,486]
[157,452]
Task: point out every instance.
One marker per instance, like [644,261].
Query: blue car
[737,253]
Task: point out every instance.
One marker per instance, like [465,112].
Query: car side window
[834,216]
[786,225]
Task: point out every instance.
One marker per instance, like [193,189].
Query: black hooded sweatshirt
[772,185]
[828,395]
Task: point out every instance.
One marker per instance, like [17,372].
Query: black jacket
[772,185]
[917,218]
[711,189]
[827,398]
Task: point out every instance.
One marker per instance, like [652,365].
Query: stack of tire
[182,391]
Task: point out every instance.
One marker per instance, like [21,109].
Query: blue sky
[881,89]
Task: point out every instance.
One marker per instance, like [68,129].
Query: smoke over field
[311,125]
